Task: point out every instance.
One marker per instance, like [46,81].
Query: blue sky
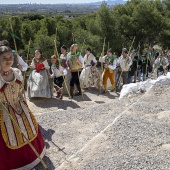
[45,1]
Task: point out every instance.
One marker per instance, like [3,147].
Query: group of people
[82,73]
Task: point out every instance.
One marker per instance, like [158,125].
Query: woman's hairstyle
[4,49]
[88,49]
[42,59]
[4,43]
[110,50]
[64,47]
[40,51]
[53,57]
[74,46]
[115,53]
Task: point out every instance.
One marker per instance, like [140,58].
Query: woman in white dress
[38,81]
[90,75]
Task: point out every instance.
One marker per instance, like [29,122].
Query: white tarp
[143,86]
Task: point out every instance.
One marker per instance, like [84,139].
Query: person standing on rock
[90,76]
[58,73]
[38,81]
[75,63]
[109,61]
[14,148]
[125,62]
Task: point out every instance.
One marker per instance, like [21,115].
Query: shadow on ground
[48,162]
[52,102]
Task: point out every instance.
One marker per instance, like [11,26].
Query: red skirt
[22,158]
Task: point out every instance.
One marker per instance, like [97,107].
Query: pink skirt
[23,158]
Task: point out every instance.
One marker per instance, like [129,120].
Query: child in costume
[58,73]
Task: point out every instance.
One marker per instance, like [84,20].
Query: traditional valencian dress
[90,76]
[38,81]
[15,153]
[75,71]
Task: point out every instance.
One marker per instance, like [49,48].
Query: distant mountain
[109,2]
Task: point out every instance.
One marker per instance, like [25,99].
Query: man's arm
[23,65]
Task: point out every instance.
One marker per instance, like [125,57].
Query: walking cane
[102,62]
[27,59]
[79,73]
[15,45]
[27,140]
[138,59]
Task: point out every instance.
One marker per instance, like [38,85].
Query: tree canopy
[147,21]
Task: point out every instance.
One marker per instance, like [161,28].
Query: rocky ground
[103,133]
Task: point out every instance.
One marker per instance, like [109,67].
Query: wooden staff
[55,44]
[147,58]
[79,73]
[73,38]
[138,49]
[27,55]
[108,45]
[127,58]
[102,62]
[103,51]
[15,45]
[27,140]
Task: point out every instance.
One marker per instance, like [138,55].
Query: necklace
[6,73]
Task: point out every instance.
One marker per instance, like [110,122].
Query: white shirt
[22,63]
[58,72]
[88,59]
[124,64]
[113,66]
[158,61]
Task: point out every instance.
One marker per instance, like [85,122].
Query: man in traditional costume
[75,63]
[125,62]
[161,64]
[145,64]
[90,75]
[133,68]
[15,152]
[109,61]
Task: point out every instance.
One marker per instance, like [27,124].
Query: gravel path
[137,140]
[103,133]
